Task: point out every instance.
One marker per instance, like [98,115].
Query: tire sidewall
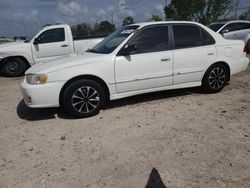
[205,82]
[21,67]
[69,91]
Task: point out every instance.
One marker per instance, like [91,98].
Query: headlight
[35,79]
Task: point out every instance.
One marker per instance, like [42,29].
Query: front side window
[230,27]
[52,35]
[216,27]
[152,39]
[187,36]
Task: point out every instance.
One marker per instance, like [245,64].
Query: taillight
[245,49]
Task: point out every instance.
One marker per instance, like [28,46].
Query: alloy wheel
[85,99]
[217,78]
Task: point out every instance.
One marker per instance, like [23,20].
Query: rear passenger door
[193,49]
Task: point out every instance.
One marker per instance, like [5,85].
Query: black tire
[13,67]
[83,98]
[215,78]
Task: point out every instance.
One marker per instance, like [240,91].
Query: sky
[26,17]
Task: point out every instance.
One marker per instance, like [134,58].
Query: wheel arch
[27,64]
[88,77]
[221,63]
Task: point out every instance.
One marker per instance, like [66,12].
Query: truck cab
[52,42]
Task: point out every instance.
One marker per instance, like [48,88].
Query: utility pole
[166,4]
[112,17]
[236,11]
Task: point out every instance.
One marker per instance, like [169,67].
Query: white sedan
[135,59]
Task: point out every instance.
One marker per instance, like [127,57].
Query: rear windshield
[216,27]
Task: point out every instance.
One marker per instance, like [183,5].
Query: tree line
[203,11]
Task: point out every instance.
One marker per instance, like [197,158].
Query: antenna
[236,10]
[112,17]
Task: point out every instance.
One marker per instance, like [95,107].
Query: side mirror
[36,41]
[223,31]
[128,49]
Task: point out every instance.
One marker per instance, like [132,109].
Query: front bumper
[41,96]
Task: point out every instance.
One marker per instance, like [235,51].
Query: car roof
[233,21]
[165,22]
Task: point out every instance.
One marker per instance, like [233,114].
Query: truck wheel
[83,98]
[215,78]
[13,67]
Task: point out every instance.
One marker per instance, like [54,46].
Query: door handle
[165,59]
[64,45]
[210,53]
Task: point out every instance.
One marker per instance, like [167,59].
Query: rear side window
[187,36]
[52,35]
[207,39]
[242,26]
[152,39]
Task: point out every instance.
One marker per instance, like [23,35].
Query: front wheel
[215,78]
[13,67]
[83,98]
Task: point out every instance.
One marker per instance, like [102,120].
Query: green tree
[106,27]
[81,30]
[204,11]
[128,20]
[156,18]
[245,15]
[96,29]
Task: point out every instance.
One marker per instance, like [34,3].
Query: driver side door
[51,44]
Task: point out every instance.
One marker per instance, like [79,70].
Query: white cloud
[101,13]
[29,17]
[119,11]
[70,9]
[157,10]
[160,10]
[34,12]
[123,9]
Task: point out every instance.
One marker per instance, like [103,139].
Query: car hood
[70,61]
[12,44]
[12,47]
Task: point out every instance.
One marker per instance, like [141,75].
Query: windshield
[110,43]
[216,27]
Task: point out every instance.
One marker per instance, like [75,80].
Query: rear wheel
[83,98]
[13,67]
[215,78]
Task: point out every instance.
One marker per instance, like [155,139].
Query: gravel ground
[181,138]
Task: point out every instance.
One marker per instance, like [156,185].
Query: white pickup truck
[51,42]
